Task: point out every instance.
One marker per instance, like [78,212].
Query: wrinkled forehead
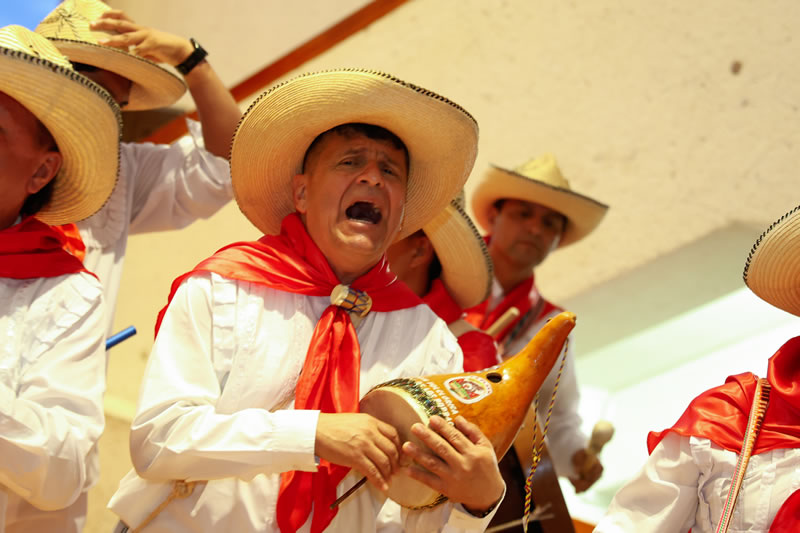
[348,135]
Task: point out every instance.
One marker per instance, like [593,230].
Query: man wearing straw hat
[57,167]
[528,213]
[248,416]
[731,461]
[160,187]
[447,265]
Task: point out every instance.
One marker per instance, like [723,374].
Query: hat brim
[274,133]
[153,85]
[85,123]
[772,269]
[466,266]
[583,213]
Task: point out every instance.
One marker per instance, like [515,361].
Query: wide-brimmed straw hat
[68,27]
[772,269]
[80,115]
[274,133]
[466,266]
[539,181]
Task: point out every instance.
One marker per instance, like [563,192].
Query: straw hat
[539,181]
[772,269]
[275,132]
[79,114]
[68,27]
[466,266]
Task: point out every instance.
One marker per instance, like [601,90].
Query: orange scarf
[329,381]
[32,249]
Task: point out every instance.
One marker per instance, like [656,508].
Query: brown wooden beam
[303,53]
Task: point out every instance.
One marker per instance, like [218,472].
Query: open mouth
[364,212]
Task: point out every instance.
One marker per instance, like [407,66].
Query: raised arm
[216,107]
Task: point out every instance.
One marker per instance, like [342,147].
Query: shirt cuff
[298,435]
[463,520]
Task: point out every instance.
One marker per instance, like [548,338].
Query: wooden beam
[295,58]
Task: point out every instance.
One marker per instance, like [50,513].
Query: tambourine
[495,399]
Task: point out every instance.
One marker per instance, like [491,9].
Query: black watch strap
[198,54]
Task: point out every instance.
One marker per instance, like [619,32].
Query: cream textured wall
[680,115]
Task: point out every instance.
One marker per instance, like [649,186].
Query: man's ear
[422,251]
[299,192]
[49,167]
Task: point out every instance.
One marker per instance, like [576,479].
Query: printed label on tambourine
[468,389]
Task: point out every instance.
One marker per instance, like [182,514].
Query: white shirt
[564,436]
[217,404]
[160,187]
[684,484]
[52,379]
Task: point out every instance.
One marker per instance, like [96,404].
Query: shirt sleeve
[51,422]
[174,185]
[662,496]
[179,434]
[564,435]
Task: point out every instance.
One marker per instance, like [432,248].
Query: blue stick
[117,338]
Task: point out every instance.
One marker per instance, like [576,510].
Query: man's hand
[149,43]
[464,467]
[361,442]
[589,470]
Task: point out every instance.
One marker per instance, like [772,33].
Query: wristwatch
[198,54]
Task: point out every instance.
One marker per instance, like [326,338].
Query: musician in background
[251,392]
[447,265]
[528,213]
[691,478]
[56,166]
[161,187]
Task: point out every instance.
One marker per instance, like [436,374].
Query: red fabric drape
[74,243]
[329,380]
[480,350]
[720,414]
[787,519]
[32,249]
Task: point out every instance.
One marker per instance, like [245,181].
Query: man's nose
[372,175]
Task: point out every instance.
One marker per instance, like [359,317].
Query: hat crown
[23,40]
[544,169]
[70,20]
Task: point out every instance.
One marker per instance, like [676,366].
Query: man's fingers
[453,436]
[125,40]
[385,455]
[423,476]
[472,431]
[114,25]
[117,14]
[425,459]
[389,431]
[435,442]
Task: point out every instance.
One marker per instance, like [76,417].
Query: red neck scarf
[720,414]
[440,301]
[479,349]
[329,381]
[74,243]
[32,249]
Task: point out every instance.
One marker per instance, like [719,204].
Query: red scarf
[788,516]
[74,243]
[523,297]
[479,349]
[329,381]
[32,249]
[720,414]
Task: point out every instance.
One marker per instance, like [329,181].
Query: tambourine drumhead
[399,409]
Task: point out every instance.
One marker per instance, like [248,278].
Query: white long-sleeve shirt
[160,187]
[564,436]
[52,379]
[684,484]
[217,404]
